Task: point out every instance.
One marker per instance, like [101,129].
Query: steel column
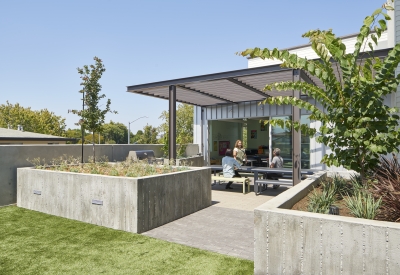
[296,135]
[172,122]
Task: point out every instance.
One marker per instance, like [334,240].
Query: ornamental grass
[128,168]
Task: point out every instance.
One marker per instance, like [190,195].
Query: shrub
[319,202]
[363,205]
[127,168]
[386,185]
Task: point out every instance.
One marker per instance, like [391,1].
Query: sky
[44,42]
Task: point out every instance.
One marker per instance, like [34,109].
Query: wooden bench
[244,181]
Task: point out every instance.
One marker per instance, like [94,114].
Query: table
[250,161]
[217,168]
[284,171]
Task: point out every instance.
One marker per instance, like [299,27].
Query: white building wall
[397,40]
[308,52]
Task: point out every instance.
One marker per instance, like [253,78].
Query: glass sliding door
[305,145]
[282,138]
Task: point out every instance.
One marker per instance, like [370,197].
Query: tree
[92,117]
[149,135]
[90,139]
[115,133]
[42,121]
[356,125]
[74,133]
[184,128]
[135,138]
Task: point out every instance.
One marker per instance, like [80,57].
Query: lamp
[129,128]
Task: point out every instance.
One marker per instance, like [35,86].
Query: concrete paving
[227,227]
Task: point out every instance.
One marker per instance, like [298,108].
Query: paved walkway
[226,227]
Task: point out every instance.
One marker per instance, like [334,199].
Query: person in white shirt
[277,162]
[229,166]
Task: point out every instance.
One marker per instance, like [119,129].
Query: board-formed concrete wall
[15,156]
[130,204]
[296,242]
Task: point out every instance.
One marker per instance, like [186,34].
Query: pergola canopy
[228,87]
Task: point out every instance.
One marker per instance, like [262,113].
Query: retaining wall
[296,242]
[130,204]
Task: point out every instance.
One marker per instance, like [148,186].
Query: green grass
[37,243]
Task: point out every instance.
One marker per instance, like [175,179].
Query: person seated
[229,166]
[276,162]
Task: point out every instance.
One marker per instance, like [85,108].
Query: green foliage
[356,124]
[148,136]
[115,133]
[126,168]
[319,202]
[94,139]
[363,205]
[92,117]
[74,133]
[340,185]
[42,121]
[184,129]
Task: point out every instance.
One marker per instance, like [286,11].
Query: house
[19,137]
[227,106]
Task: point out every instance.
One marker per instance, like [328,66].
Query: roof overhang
[36,139]
[230,87]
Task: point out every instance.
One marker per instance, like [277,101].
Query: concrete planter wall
[196,161]
[130,204]
[296,242]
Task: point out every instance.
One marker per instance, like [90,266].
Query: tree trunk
[94,152]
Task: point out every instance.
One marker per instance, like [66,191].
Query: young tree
[184,128]
[356,124]
[92,117]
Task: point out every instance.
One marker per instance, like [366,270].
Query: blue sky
[43,42]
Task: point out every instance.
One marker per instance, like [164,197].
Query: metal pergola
[232,87]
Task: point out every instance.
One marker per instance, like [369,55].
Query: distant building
[15,137]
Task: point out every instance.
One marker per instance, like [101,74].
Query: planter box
[130,204]
[195,161]
[297,242]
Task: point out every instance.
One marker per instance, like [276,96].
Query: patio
[226,227]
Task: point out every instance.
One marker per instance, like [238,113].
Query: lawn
[37,243]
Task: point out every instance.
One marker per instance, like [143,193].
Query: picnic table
[244,180]
[285,179]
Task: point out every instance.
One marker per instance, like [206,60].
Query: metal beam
[172,122]
[306,78]
[165,97]
[296,135]
[183,87]
[248,87]
[209,77]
